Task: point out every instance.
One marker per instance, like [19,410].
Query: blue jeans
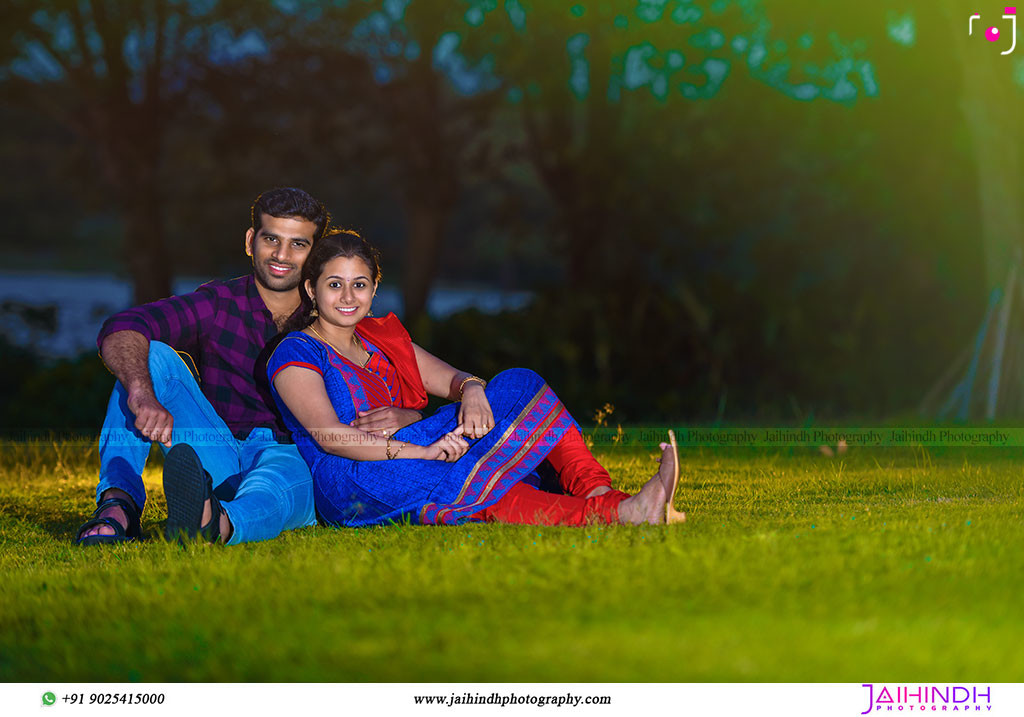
[264,486]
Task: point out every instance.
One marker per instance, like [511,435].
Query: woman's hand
[475,411]
[450,447]
[385,420]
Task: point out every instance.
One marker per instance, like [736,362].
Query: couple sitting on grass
[296,334]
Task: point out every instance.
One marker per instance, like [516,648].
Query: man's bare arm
[126,354]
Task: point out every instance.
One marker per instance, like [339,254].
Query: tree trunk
[132,164]
[146,252]
[427,222]
[586,247]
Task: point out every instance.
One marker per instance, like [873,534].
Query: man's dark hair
[286,203]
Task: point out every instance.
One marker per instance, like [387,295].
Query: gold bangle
[399,450]
[387,449]
[462,386]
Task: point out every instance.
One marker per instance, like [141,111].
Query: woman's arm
[441,379]
[303,391]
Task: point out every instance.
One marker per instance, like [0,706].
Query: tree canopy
[783,201]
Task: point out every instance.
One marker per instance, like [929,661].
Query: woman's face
[344,291]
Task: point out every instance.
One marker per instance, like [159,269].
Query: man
[222,432]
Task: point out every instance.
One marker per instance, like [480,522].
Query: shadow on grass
[59,523]
[47,516]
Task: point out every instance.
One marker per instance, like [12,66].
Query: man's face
[279,249]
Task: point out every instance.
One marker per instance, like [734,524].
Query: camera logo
[994,34]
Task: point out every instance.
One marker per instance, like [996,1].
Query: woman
[349,387]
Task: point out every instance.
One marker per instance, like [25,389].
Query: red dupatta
[388,334]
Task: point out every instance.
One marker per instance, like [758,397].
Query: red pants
[579,473]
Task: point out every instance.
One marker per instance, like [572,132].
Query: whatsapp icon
[49,698]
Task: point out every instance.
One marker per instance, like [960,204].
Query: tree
[428,132]
[114,74]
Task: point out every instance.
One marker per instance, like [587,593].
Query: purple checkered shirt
[224,326]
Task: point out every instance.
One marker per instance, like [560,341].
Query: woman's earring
[313,311]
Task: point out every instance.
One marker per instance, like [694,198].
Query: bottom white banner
[791,700]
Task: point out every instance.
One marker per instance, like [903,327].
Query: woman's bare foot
[653,503]
[671,514]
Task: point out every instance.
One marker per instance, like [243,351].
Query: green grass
[888,565]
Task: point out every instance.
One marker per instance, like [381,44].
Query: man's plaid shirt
[224,326]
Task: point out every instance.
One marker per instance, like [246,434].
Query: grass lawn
[895,565]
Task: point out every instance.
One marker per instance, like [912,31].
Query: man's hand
[153,420]
[385,418]
[126,354]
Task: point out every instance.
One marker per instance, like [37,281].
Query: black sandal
[186,487]
[121,534]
